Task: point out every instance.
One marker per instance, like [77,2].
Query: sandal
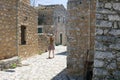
[49,57]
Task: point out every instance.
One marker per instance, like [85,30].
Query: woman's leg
[49,53]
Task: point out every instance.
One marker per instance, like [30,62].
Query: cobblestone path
[39,67]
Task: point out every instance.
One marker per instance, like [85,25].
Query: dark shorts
[51,47]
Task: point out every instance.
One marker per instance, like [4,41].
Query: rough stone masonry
[18,31]
[107,45]
[80,36]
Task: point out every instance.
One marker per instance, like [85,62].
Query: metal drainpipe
[17,6]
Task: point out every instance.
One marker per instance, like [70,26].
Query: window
[23,35]
[61,39]
[39,30]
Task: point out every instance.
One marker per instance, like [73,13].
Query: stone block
[112,66]
[98,63]
[118,65]
[105,31]
[115,32]
[105,39]
[100,23]
[116,6]
[100,72]
[103,55]
[119,25]
[99,16]
[99,31]
[108,5]
[115,46]
[118,40]
[100,46]
[118,57]
[114,17]
[117,73]
[105,11]
[115,25]
[71,39]
[100,5]
[117,54]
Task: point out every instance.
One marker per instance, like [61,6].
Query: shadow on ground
[9,70]
[62,53]
[64,76]
[61,76]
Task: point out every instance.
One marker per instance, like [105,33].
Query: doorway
[60,39]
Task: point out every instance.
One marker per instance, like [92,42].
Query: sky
[48,2]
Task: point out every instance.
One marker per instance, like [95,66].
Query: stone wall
[107,54]
[43,42]
[80,37]
[8,20]
[13,15]
[49,29]
[27,2]
[27,16]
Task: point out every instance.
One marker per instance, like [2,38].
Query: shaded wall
[107,54]
[80,37]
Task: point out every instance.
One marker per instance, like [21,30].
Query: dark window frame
[23,35]
[40,30]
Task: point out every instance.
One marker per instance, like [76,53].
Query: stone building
[18,29]
[43,43]
[80,37]
[107,47]
[52,19]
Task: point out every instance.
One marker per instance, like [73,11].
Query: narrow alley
[39,67]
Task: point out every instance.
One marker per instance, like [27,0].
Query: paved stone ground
[39,67]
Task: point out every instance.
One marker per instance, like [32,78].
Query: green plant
[14,65]
[40,52]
